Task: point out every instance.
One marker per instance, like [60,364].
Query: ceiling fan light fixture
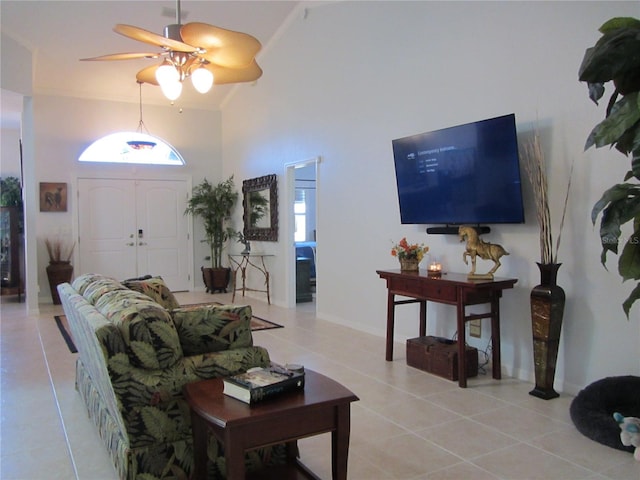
[166,74]
[202,79]
[172,90]
[196,50]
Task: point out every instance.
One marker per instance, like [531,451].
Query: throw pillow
[213,328]
[155,288]
[148,331]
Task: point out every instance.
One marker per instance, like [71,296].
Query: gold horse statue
[476,247]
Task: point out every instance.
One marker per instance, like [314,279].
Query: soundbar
[453,229]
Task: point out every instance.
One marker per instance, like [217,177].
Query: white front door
[162,231]
[129,228]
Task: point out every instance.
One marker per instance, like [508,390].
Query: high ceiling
[59,33]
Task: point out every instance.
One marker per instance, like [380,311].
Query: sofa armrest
[96,340]
[136,387]
[152,403]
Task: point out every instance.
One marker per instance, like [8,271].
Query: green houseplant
[10,192]
[214,205]
[616,58]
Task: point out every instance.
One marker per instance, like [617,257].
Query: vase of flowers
[409,256]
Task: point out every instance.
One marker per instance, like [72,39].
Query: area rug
[592,409]
[257,324]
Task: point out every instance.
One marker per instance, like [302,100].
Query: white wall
[17,75]
[10,153]
[64,127]
[344,79]
[16,78]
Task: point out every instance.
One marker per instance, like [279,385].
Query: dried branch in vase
[59,249]
[535,166]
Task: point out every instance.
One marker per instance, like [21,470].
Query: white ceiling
[59,33]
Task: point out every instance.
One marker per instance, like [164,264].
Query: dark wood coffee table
[323,406]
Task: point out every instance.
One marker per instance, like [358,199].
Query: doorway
[129,228]
[302,182]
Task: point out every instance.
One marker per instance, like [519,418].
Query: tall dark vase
[547,309]
[57,273]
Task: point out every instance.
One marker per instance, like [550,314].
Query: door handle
[130,244]
[142,243]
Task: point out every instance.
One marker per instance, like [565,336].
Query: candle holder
[434,269]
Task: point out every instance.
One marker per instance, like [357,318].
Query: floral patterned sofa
[137,348]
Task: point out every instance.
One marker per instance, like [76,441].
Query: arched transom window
[131,147]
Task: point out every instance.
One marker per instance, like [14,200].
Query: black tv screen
[467,174]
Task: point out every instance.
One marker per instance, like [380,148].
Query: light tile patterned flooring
[407,425]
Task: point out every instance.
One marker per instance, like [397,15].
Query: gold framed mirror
[260,208]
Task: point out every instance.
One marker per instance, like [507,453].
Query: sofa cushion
[99,287]
[212,328]
[155,288]
[146,327]
[81,283]
[119,298]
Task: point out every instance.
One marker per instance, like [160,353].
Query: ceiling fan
[206,53]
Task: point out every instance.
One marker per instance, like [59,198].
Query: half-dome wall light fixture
[132,147]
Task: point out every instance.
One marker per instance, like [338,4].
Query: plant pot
[58,272]
[409,264]
[216,279]
[547,310]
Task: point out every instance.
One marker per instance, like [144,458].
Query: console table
[322,406]
[242,262]
[452,289]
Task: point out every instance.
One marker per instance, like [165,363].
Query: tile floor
[407,425]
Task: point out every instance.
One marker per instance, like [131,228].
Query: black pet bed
[592,409]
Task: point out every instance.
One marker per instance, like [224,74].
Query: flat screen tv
[466,174]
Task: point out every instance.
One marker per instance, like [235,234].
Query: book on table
[258,384]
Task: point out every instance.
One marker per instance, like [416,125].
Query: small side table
[323,406]
[242,262]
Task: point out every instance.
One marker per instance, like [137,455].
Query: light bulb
[167,73]
[202,79]
[172,90]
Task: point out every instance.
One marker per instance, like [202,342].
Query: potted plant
[214,205]
[616,57]
[11,234]
[11,196]
[10,192]
[59,269]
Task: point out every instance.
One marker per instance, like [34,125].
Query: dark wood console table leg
[391,306]
[423,318]
[495,335]
[462,346]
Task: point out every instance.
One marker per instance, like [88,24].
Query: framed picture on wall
[53,197]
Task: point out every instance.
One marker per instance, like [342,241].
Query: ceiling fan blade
[148,75]
[121,56]
[223,75]
[146,36]
[223,47]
